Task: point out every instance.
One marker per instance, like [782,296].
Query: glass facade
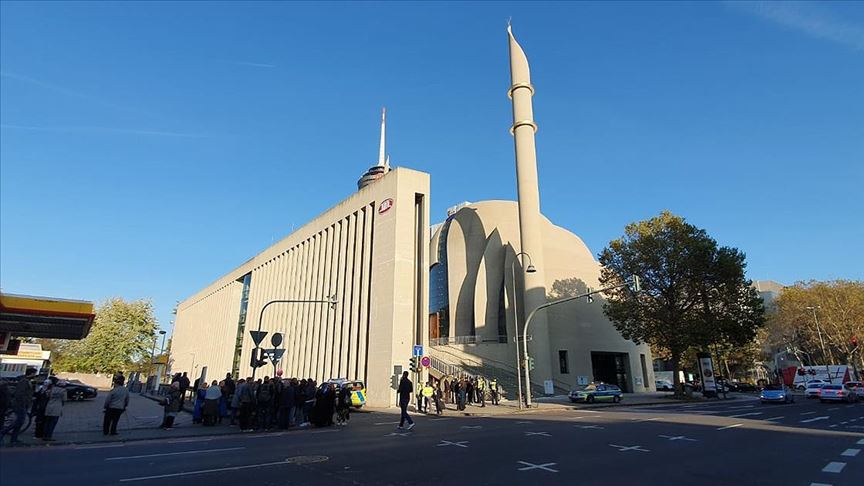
[241,326]
[439,292]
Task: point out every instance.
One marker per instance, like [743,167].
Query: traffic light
[589,297]
[413,367]
[257,362]
[530,363]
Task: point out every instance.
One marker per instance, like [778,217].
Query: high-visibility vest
[493,384]
[428,391]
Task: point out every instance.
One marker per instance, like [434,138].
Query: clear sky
[149,148]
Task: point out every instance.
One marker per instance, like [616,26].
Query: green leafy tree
[694,292]
[121,336]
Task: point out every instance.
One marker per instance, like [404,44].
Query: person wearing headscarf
[172,403]
[198,408]
[53,408]
[210,410]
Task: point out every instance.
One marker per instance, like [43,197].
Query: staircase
[449,361]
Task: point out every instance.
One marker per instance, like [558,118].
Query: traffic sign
[276,339]
[275,355]
[418,350]
[426,361]
[257,337]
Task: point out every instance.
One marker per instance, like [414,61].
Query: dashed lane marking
[730,426]
[820,484]
[181,453]
[628,448]
[386,423]
[774,418]
[400,434]
[861,441]
[744,415]
[460,443]
[646,419]
[677,437]
[543,434]
[834,467]
[589,426]
[471,427]
[814,419]
[807,413]
[101,446]
[529,466]
[205,471]
[850,452]
[520,422]
[833,408]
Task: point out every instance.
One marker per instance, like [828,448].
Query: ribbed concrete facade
[370,252]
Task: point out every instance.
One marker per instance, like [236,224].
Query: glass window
[562,362]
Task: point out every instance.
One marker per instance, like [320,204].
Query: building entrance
[611,368]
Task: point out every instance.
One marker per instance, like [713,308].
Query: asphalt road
[719,443]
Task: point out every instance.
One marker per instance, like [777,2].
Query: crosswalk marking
[834,467]
[850,452]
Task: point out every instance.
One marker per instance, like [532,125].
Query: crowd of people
[261,404]
[466,390]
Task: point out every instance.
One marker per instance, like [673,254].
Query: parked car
[812,390]
[858,387]
[776,394]
[599,392]
[663,385]
[77,391]
[837,393]
[804,385]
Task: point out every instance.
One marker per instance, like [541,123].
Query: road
[717,443]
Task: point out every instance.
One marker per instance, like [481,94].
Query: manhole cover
[306,459]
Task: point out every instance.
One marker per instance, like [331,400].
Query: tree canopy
[122,334]
[820,322]
[694,292]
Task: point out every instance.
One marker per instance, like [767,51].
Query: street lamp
[634,281]
[529,269]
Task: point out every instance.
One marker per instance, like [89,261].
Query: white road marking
[590,411]
[814,419]
[741,407]
[386,423]
[102,446]
[544,434]
[629,448]
[400,434]
[574,418]
[201,451]
[588,426]
[774,418]
[861,441]
[473,427]
[744,414]
[820,484]
[439,419]
[645,420]
[205,471]
[677,437]
[849,406]
[833,408]
[461,443]
[834,467]
[807,413]
[832,425]
[850,452]
[530,422]
[730,426]
[545,467]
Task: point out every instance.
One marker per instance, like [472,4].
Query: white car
[663,385]
[813,388]
[804,385]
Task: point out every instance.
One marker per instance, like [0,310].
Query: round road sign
[426,361]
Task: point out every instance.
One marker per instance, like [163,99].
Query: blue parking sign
[418,350]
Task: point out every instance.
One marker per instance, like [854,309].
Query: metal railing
[500,339]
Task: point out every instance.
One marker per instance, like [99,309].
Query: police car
[597,392]
[357,387]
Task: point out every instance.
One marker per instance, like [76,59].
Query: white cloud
[807,17]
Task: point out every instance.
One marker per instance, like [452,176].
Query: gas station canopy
[45,317]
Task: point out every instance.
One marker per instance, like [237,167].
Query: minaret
[377,171]
[530,219]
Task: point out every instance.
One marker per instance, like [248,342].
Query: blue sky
[148,148]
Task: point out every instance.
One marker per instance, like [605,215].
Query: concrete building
[369,252]
[477,283]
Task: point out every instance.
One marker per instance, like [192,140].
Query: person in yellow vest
[481,391]
[427,393]
[493,390]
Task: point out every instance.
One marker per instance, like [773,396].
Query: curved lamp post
[529,269]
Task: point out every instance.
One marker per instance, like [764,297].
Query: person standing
[439,405]
[210,410]
[235,401]
[264,397]
[173,403]
[115,404]
[428,394]
[481,391]
[184,385]
[53,409]
[228,387]
[406,389]
[37,411]
[21,402]
[247,402]
[493,390]
[286,406]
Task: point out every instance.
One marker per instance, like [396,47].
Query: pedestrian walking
[20,405]
[53,408]
[115,404]
[406,389]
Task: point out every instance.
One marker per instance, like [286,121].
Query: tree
[122,335]
[821,322]
[694,292]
